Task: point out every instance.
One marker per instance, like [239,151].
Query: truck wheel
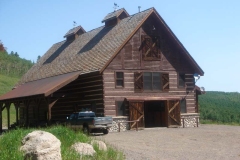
[105,131]
[85,130]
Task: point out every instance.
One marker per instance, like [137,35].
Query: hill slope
[220,107]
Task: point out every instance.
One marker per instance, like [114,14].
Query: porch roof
[148,98]
[43,87]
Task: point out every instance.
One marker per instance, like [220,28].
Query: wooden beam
[50,105]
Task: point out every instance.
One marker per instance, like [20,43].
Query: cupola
[73,33]
[115,17]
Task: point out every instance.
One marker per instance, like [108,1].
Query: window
[150,48]
[183,106]
[181,80]
[120,108]
[119,79]
[151,81]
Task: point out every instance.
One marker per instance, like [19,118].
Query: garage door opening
[155,114]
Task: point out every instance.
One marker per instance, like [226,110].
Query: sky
[209,30]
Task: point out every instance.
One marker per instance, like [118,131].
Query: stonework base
[123,126]
[189,120]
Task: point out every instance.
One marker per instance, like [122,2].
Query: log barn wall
[129,60]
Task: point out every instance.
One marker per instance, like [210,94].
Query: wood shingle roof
[89,52]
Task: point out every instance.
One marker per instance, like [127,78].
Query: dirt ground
[211,142]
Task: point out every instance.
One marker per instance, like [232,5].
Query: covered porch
[33,101]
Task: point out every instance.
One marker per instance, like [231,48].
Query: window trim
[116,79]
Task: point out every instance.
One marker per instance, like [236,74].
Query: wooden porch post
[50,105]
[1,106]
[26,104]
[17,113]
[38,102]
[8,114]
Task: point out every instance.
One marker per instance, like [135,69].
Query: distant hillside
[12,68]
[220,107]
[12,65]
[7,83]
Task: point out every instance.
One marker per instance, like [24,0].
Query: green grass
[7,83]
[10,143]
[218,123]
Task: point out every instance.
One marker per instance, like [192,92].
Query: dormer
[115,17]
[73,33]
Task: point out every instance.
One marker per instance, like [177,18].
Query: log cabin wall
[85,93]
[130,60]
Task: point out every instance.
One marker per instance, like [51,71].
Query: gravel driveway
[205,142]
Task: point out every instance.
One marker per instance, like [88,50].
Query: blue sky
[209,30]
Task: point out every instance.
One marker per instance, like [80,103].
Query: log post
[17,113]
[1,106]
[26,104]
[50,105]
[8,115]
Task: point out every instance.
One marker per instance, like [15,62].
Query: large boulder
[83,148]
[41,145]
[100,144]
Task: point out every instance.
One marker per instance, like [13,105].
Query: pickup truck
[89,123]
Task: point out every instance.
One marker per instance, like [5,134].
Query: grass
[203,121]
[10,143]
[7,83]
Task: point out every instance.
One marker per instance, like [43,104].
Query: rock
[40,145]
[101,145]
[83,148]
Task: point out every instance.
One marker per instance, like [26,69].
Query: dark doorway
[155,114]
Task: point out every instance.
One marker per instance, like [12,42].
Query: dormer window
[73,33]
[114,17]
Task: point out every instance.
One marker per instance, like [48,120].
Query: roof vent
[114,17]
[73,33]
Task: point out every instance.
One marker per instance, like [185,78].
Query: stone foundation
[123,126]
[189,120]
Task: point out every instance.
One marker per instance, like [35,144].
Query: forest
[220,107]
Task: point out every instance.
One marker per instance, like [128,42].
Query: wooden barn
[131,68]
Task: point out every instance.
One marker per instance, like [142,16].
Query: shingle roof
[73,31]
[87,53]
[114,14]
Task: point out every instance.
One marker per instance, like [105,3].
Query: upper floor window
[151,81]
[181,80]
[151,48]
[119,79]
